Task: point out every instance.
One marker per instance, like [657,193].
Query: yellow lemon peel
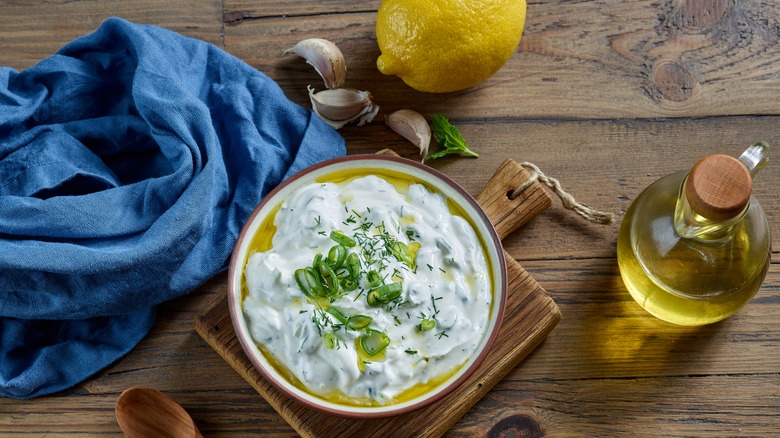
[447,45]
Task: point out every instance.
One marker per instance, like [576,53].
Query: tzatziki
[370,292]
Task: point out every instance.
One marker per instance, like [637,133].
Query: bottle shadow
[622,340]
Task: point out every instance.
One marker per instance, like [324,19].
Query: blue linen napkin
[129,161]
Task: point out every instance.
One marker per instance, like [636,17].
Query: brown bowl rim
[234,308]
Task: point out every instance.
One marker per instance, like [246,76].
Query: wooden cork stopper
[718,187]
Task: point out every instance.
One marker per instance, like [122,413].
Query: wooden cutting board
[529,317]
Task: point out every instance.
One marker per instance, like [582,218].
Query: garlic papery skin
[325,57]
[340,106]
[412,126]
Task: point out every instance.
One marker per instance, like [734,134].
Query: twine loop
[588,213]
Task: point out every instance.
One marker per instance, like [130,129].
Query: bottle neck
[690,225]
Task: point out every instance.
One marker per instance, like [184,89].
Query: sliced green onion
[353,265]
[374,342]
[341,239]
[337,256]
[405,254]
[343,273]
[309,282]
[317,262]
[330,279]
[329,339]
[425,325]
[373,279]
[349,284]
[384,294]
[303,283]
[372,298]
[337,314]
[389,292]
[357,322]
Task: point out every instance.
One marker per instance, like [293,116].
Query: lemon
[447,45]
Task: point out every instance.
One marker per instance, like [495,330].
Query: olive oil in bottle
[694,247]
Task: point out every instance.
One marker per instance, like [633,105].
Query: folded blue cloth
[129,161]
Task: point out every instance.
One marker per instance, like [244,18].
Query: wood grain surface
[605,95]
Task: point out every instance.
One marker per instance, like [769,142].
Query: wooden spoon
[146,412]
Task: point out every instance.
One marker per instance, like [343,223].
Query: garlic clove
[340,106]
[325,57]
[412,126]
[368,116]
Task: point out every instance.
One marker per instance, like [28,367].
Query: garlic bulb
[325,57]
[340,106]
[412,126]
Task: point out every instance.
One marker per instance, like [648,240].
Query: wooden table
[605,95]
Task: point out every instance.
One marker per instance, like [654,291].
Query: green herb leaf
[450,139]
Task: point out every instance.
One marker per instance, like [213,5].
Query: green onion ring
[374,342]
[341,239]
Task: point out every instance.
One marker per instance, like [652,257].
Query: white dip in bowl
[368,290]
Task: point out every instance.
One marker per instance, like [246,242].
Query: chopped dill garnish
[433,300]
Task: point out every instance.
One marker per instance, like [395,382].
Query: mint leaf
[449,138]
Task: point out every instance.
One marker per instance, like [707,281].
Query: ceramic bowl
[369,164]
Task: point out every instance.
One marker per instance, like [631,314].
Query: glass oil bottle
[694,247]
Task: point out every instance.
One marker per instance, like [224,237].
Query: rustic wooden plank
[669,406]
[217,413]
[605,334]
[675,406]
[577,60]
[31,31]
[237,11]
